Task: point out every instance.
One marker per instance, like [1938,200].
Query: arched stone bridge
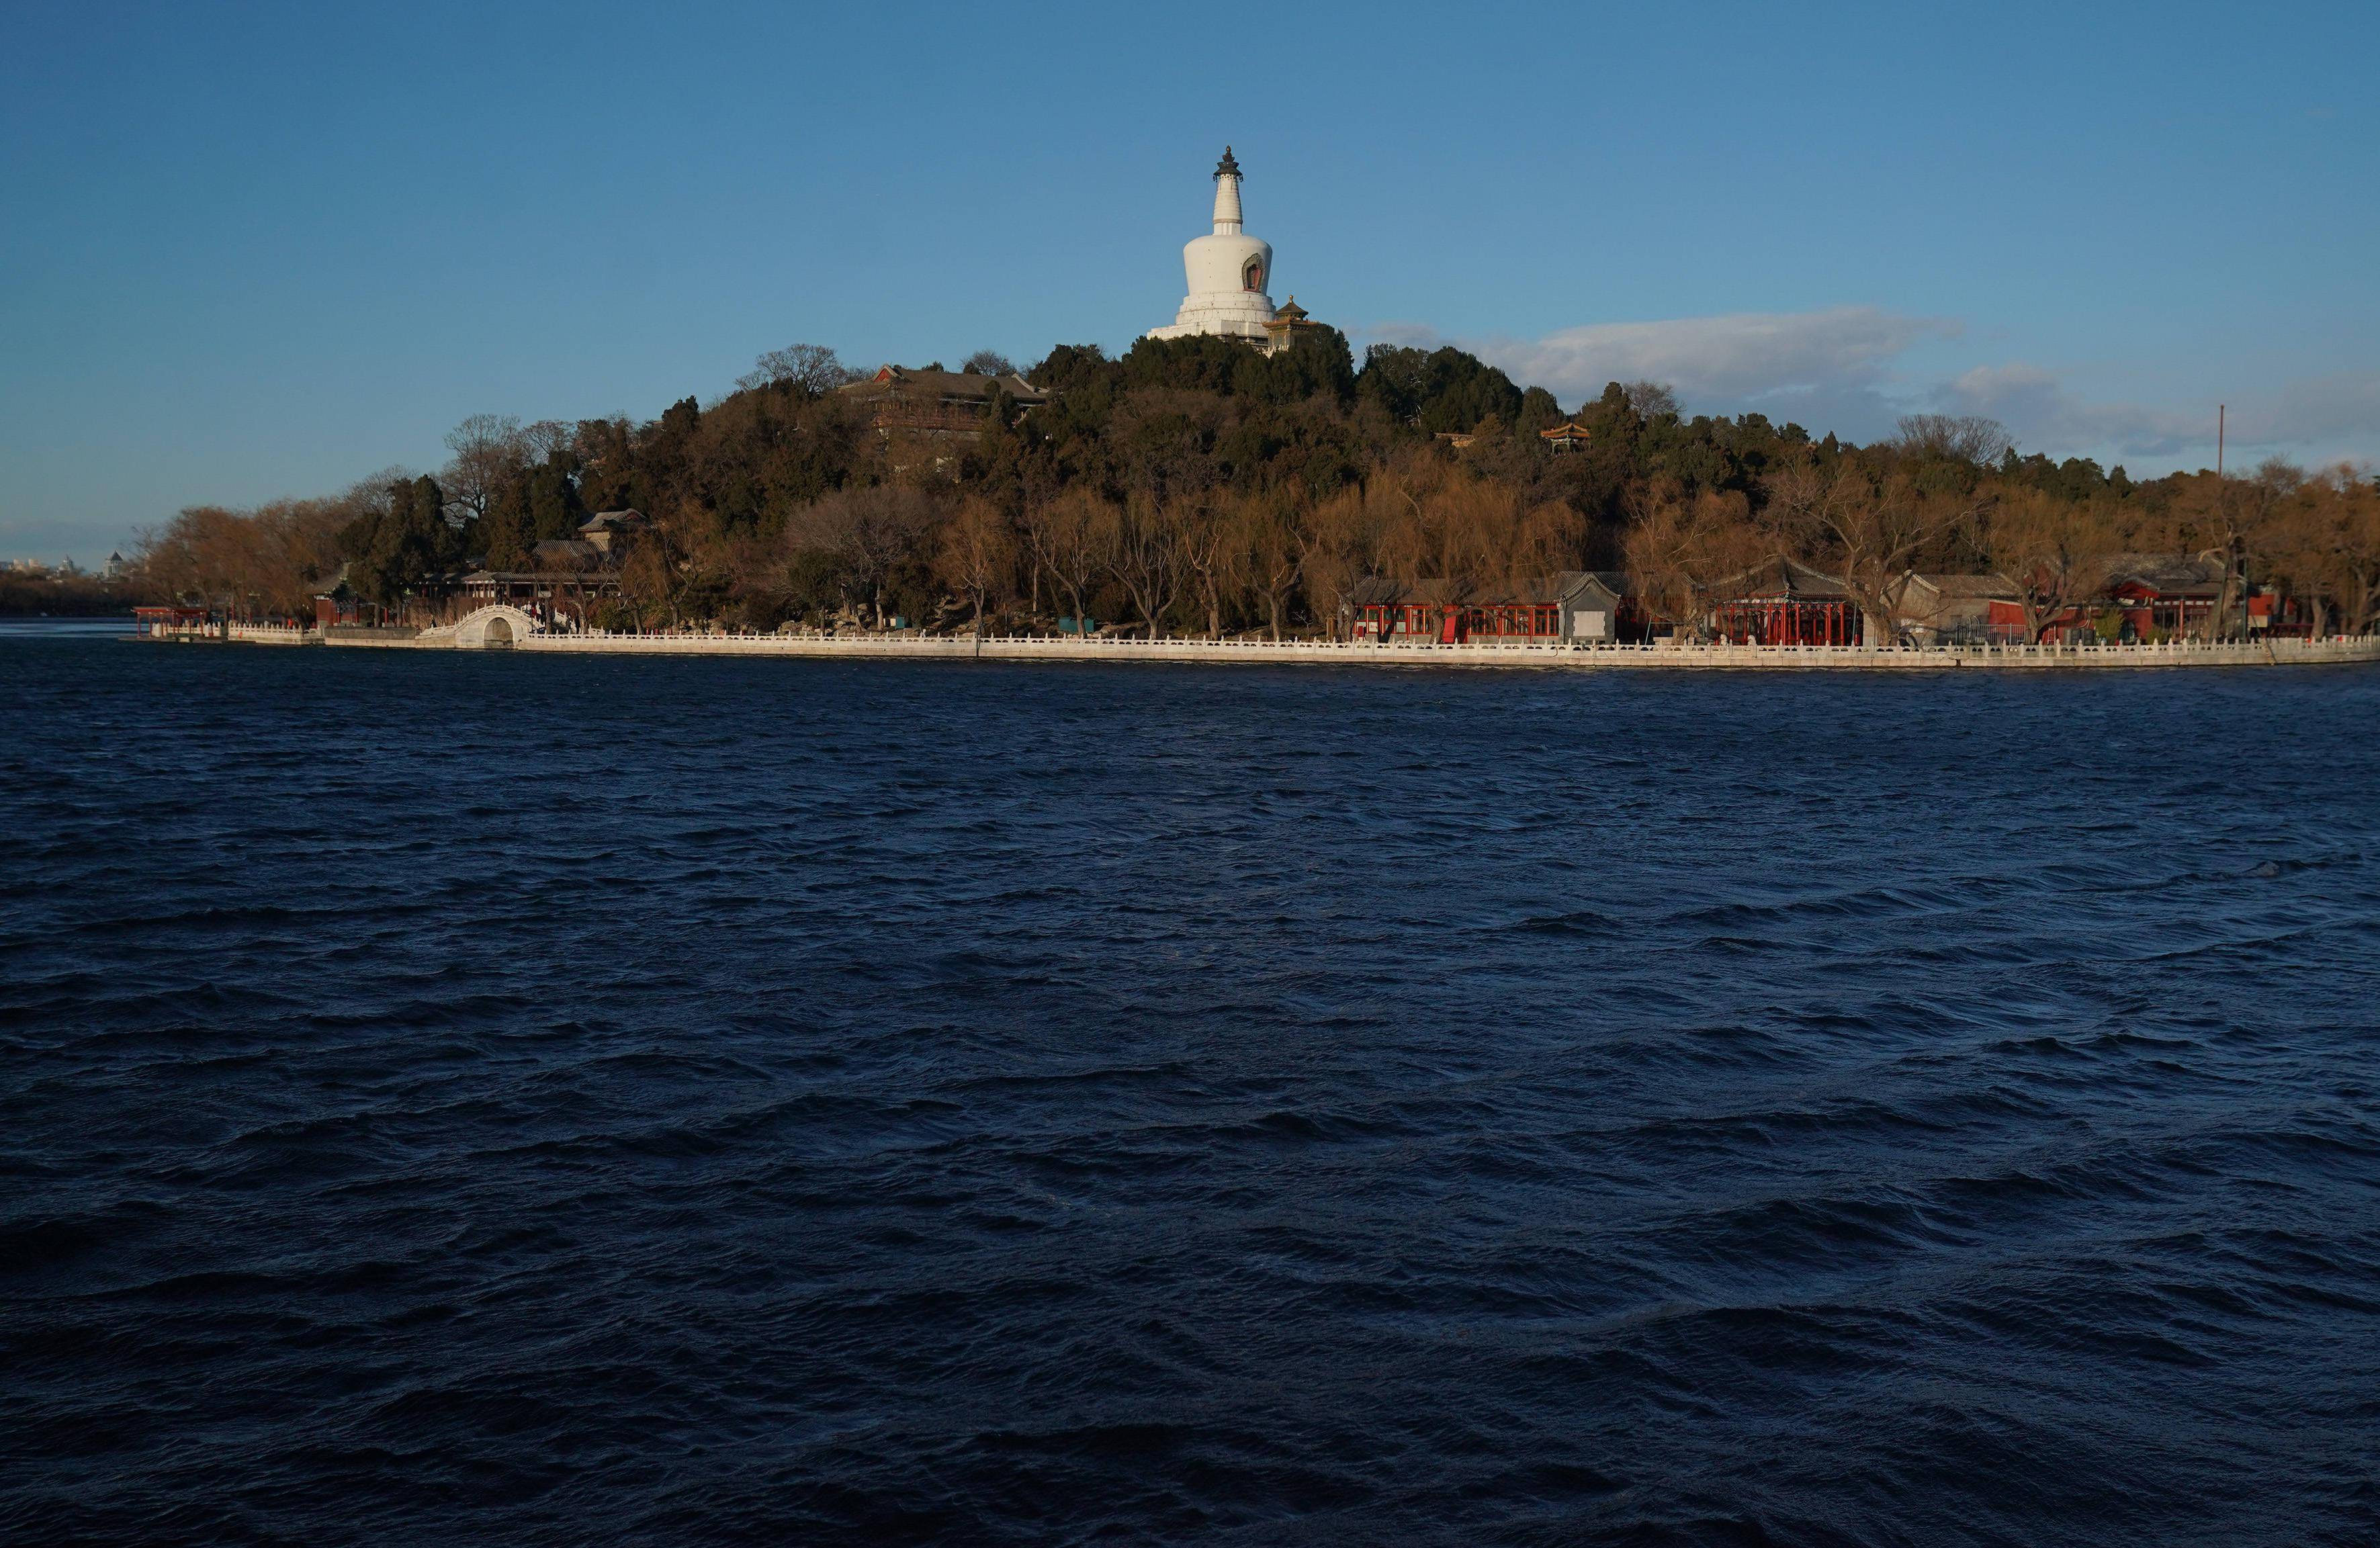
[493,628]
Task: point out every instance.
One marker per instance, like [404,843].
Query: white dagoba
[1227,270]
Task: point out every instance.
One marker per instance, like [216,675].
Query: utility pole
[2219,411]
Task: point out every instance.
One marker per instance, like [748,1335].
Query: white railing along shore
[2290,650]
[1513,652]
[217,629]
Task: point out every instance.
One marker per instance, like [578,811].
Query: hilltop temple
[1227,270]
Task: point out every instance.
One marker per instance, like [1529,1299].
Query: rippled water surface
[500,1099]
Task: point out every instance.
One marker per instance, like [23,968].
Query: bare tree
[1680,550]
[1438,525]
[487,449]
[1965,437]
[2323,544]
[1443,523]
[1270,535]
[868,534]
[648,583]
[812,367]
[670,563]
[1871,531]
[1344,539]
[2356,571]
[540,441]
[1206,539]
[1140,543]
[2303,551]
[1064,536]
[2227,521]
[1651,399]
[1542,540]
[988,362]
[268,561]
[977,557]
[2056,554]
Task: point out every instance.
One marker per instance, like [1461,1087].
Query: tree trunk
[2366,594]
[2219,621]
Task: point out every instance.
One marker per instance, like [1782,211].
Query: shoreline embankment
[485,631]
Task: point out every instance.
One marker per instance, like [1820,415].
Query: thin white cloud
[1833,370]
[1843,370]
[2327,408]
[2325,413]
[1748,355]
[2044,416]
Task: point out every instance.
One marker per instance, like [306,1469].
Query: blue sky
[256,251]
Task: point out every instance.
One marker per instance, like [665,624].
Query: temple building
[937,404]
[1227,270]
[1786,602]
[1584,607]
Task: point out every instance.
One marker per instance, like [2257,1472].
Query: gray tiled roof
[2170,574]
[1786,578]
[1989,588]
[556,553]
[942,386]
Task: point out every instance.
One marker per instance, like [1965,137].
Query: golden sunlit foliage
[1196,486]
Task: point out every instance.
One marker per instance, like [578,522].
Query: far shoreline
[500,629]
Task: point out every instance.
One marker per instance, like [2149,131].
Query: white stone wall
[1423,652]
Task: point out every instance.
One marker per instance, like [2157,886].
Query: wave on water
[538,1100]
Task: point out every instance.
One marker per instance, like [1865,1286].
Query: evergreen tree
[404,547]
[556,511]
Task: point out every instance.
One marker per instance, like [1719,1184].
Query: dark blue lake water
[505,1100]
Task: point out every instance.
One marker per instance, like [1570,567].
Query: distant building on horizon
[935,403]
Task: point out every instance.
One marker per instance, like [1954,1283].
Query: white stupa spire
[1227,196]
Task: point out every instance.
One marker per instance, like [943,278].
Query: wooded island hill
[1236,473]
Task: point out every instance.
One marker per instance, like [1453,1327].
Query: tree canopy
[1199,483]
